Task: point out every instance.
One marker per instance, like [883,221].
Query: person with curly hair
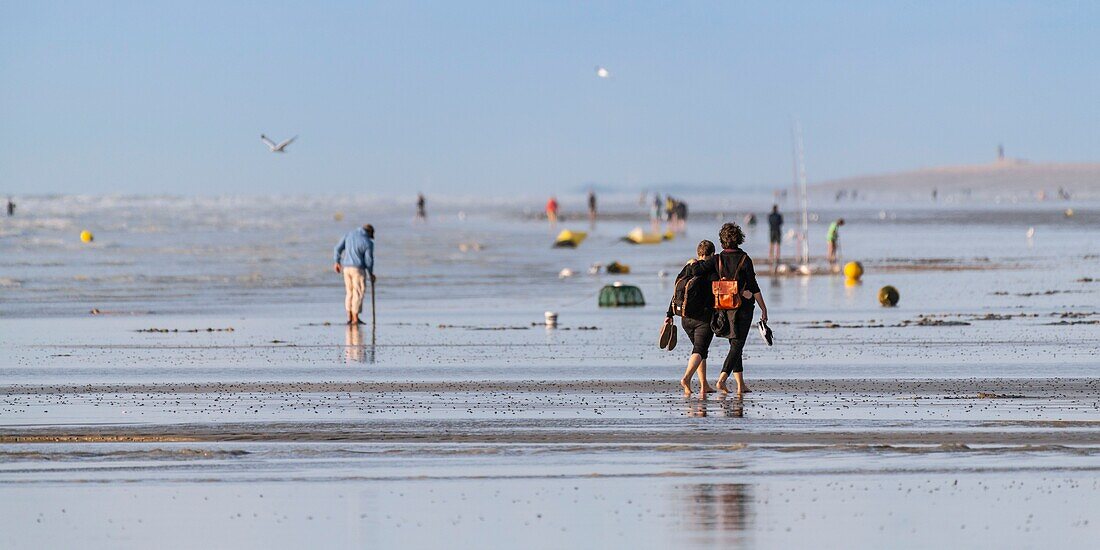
[739,320]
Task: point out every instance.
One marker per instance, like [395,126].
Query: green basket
[621,296]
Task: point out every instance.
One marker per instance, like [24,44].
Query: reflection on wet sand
[719,510]
[733,406]
[354,349]
[697,408]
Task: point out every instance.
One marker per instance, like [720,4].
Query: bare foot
[722,387]
[707,388]
[687,387]
[743,389]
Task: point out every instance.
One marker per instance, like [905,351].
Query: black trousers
[699,333]
[741,322]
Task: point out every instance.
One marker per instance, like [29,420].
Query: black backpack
[693,296]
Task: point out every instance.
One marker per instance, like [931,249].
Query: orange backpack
[727,295]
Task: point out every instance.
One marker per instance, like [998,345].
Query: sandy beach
[237,410]
[552,463]
[406,275]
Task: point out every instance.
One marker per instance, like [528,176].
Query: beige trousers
[355,284]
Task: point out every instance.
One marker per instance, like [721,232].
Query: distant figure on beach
[591,207]
[354,257]
[738,321]
[421,211]
[11,207]
[552,211]
[832,240]
[655,213]
[675,214]
[775,233]
[696,307]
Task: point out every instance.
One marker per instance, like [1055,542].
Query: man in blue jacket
[354,257]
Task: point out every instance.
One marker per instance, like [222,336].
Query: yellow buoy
[570,239]
[850,282]
[853,270]
[86,236]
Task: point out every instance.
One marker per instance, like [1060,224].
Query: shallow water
[966,416]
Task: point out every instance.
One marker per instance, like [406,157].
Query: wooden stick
[373,316]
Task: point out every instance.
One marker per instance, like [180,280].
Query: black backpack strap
[744,257]
[736,272]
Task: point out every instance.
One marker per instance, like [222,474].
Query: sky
[502,98]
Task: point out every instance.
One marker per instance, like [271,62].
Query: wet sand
[231,411]
[975,462]
[1059,411]
[701,511]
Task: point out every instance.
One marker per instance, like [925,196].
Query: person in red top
[552,210]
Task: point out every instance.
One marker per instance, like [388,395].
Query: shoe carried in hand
[668,335]
[765,331]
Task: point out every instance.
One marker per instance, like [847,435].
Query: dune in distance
[1007,176]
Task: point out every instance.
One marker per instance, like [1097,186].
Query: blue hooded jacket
[356,249]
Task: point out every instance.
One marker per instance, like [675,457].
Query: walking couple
[695,302]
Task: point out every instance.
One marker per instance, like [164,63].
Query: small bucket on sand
[551,318]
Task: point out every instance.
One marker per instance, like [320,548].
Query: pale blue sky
[502,97]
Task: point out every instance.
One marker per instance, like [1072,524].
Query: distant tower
[1000,151]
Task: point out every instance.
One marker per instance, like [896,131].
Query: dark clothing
[746,278]
[742,322]
[741,318]
[701,306]
[775,220]
[699,333]
[775,226]
[683,272]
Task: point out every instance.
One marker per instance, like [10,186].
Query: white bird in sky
[602,72]
[279,148]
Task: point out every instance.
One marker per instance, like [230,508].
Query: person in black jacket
[739,320]
[696,322]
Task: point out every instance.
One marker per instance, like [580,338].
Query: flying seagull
[280,148]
